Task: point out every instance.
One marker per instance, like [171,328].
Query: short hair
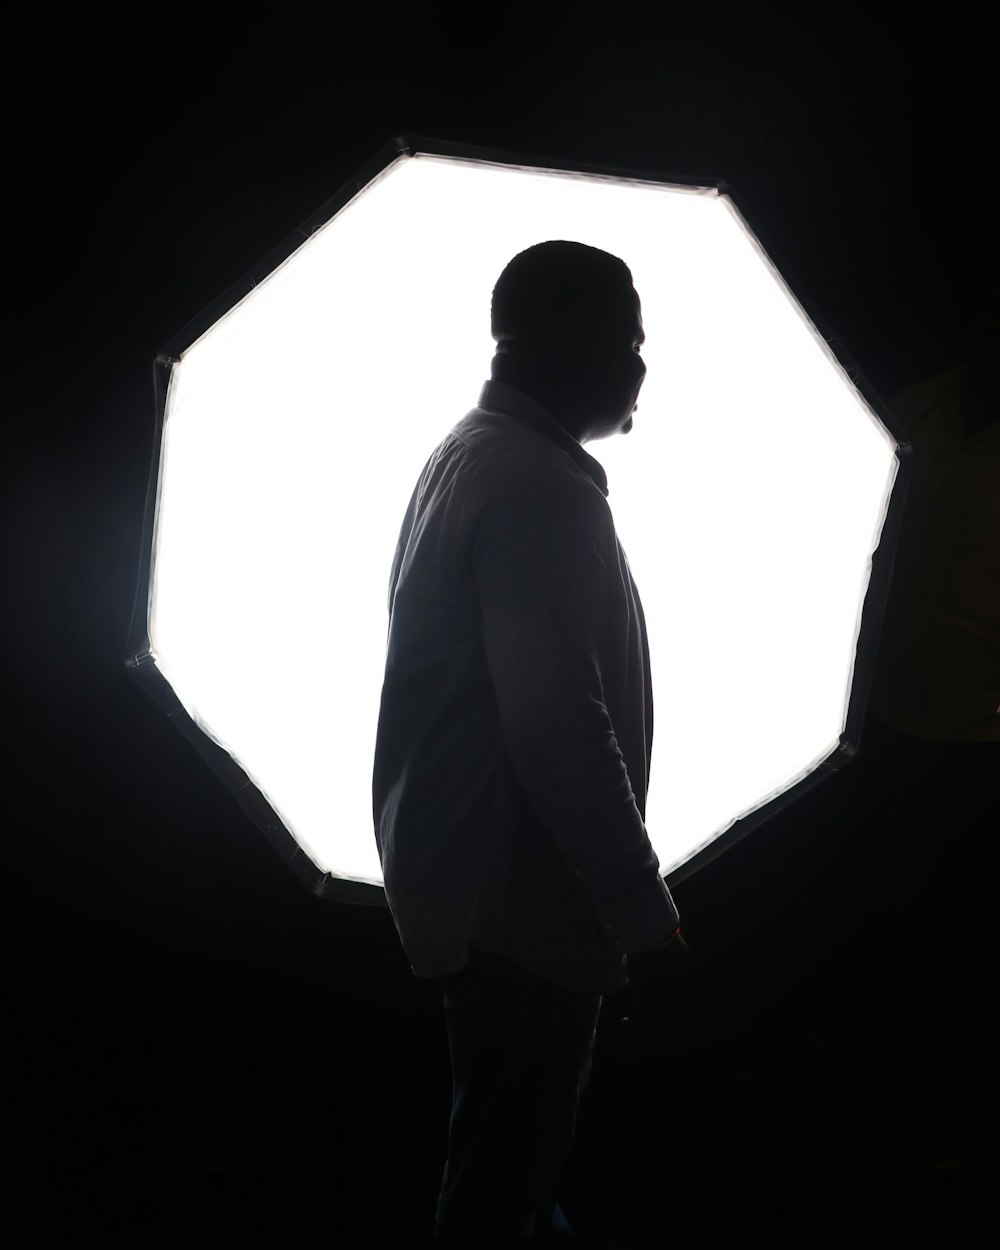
[558,291]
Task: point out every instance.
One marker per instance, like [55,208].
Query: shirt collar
[501,397]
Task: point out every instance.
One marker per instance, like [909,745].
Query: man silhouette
[514,740]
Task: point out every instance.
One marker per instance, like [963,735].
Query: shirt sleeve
[544,563]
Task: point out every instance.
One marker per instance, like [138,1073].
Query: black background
[200,1048]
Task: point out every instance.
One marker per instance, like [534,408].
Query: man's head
[568,327]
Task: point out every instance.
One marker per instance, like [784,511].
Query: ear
[587,360]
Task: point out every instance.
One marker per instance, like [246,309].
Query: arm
[544,564]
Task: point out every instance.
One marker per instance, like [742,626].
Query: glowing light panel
[749,496]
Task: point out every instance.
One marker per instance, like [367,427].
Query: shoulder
[517,465]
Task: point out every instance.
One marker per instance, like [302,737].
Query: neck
[546,386]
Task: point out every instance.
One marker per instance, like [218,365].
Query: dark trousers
[521,1052]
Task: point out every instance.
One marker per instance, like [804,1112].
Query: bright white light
[749,496]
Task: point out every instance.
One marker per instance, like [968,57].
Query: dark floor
[785,1137]
[825,1078]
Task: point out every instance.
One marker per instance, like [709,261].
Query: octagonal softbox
[752,496]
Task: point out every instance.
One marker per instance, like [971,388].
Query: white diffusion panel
[748,496]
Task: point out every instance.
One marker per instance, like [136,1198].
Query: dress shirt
[516,718]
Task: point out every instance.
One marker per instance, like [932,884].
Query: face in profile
[614,373]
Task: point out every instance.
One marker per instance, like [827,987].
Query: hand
[657,987]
